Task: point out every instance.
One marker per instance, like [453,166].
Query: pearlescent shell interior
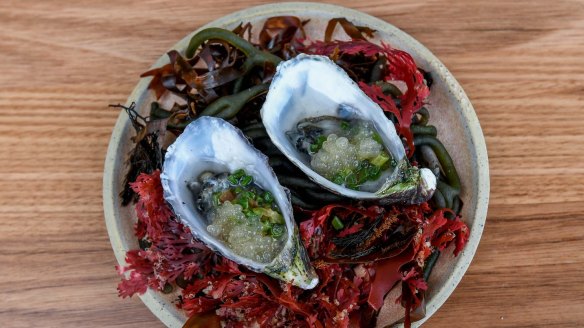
[451,112]
[212,144]
[309,86]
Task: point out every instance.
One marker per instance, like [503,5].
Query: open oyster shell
[309,87]
[212,145]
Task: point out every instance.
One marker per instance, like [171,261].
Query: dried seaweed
[354,31]
[146,157]
[280,35]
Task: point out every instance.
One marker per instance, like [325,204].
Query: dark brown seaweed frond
[146,156]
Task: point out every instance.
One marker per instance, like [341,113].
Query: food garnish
[242,215]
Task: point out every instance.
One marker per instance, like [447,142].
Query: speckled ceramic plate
[451,112]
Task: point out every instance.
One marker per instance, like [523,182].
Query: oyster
[310,101]
[195,168]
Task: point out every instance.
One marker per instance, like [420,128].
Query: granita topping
[350,157]
[244,216]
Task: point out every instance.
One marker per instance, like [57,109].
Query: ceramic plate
[451,112]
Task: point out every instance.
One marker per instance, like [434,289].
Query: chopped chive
[337,223]
[377,138]
[317,145]
[243,201]
[251,215]
[246,180]
[216,200]
[373,173]
[345,125]
[233,179]
[266,227]
[338,179]
[351,180]
[276,217]
[268,197]
[239,173]
[278,230]
[346,172]
[380,159]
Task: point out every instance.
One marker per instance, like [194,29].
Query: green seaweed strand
[424,129]
[447,192]
[255,56]
[424,116]
[443,157]
[227,107]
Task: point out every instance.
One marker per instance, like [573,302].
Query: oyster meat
[224,190]
[320,119]
[241,214]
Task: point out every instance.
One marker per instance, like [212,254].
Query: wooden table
[520,62]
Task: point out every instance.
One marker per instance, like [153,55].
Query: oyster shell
[212,145]
[310,89]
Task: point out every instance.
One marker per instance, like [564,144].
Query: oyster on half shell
[211,146]
[307,94]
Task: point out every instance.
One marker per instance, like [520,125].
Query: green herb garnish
[268,197]
[377,138]
[236,177]
[337,223]
[246,180]
[278,230]
[256,204]
[317,145]
[380,159]
[266,228]
[216,198]
[233,179]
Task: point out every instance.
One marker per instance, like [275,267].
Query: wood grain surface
[62,63]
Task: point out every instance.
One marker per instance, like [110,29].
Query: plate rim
[152,299]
